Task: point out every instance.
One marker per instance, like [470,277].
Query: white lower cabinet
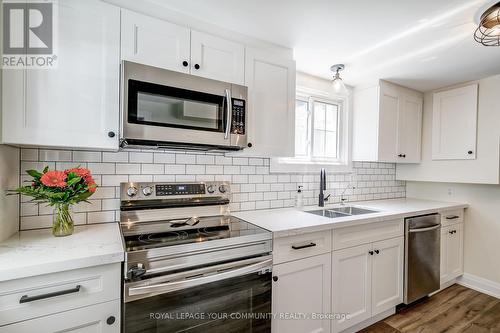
[367,280]
[452,264]
[302,287]
[352,279]
[100,318]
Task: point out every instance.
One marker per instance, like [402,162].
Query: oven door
[164,107]
[230,297]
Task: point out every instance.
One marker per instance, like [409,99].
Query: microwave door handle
[229,113]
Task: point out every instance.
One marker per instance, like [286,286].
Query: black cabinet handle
[377,251]
[196,66]
[452,217]
[299,247]
[249,145]
[400,155]
[185,63]
[470,152]
[111,134]
[27,299]
[452,232]
[110,320]
[370,252]
[275,278]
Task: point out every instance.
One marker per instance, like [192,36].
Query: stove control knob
[211,189]
[222,189]
[147,191]
[132,191]
[136,271]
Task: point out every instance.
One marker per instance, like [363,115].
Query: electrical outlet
[450,192]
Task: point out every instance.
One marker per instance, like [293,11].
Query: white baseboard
[480,284]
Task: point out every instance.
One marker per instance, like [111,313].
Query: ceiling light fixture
[488,31]
[338,85]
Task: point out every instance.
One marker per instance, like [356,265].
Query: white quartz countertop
[290,221]
[36,252]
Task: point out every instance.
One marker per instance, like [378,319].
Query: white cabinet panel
[410,129]
[454,123]
[352,285]
[452,261]
[301,246]
[154,42]
[303,286]
[388,131]
[75,104]
[271,90]
[100,318]
[387,124]
[216,58]
[387,274]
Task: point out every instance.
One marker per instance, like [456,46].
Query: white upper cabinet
[387,124]
[216,58]
[154,42]
[454,123]
[302,286]
[271,104]
[158,43]
[75,104]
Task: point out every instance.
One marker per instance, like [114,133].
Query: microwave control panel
[238,116]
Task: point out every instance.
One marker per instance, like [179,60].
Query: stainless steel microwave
[166,109]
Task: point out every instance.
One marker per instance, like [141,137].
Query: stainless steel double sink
[341,211]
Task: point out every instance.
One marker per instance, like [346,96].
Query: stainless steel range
[190,266]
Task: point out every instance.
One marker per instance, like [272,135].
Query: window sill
[283,165]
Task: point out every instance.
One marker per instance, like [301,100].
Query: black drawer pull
[27,299]
[303,246]
[452,217]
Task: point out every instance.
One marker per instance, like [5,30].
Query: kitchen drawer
[301,246]
[367,233]
[99,318]
[96,285]
[450,217]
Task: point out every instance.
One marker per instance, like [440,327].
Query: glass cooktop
[147,235]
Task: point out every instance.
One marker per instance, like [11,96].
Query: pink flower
[80,172]
[54,179]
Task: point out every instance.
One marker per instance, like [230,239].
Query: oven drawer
[42,295]
[301,246]
[451,217]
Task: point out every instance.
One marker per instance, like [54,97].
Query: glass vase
[62,224]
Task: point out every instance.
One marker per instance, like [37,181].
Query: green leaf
[34,173]
[73,180]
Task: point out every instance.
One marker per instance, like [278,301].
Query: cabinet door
[217,58]
[303,286]
[409,129]
[100,318]
[444,274]
[454,124]
[387,274]
[75,104]
[388,123]
[352,284]
[154,42]
[455,260]
[271,90]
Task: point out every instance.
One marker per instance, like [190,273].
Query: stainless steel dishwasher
[422,256]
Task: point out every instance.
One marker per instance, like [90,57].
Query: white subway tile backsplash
[253,186]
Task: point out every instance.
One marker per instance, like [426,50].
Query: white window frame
[342,164]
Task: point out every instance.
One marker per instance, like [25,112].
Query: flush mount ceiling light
[488,31]
[338,85]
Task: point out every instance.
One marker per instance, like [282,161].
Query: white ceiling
[423,44]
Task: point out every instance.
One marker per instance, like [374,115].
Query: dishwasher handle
[437,226]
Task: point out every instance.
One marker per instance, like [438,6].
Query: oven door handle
[196,281]
[229,113]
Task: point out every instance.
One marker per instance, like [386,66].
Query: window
[317,130]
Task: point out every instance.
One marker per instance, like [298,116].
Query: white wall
[482,222]
[485,168]
[9,179]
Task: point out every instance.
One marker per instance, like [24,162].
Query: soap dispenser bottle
[299,200]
